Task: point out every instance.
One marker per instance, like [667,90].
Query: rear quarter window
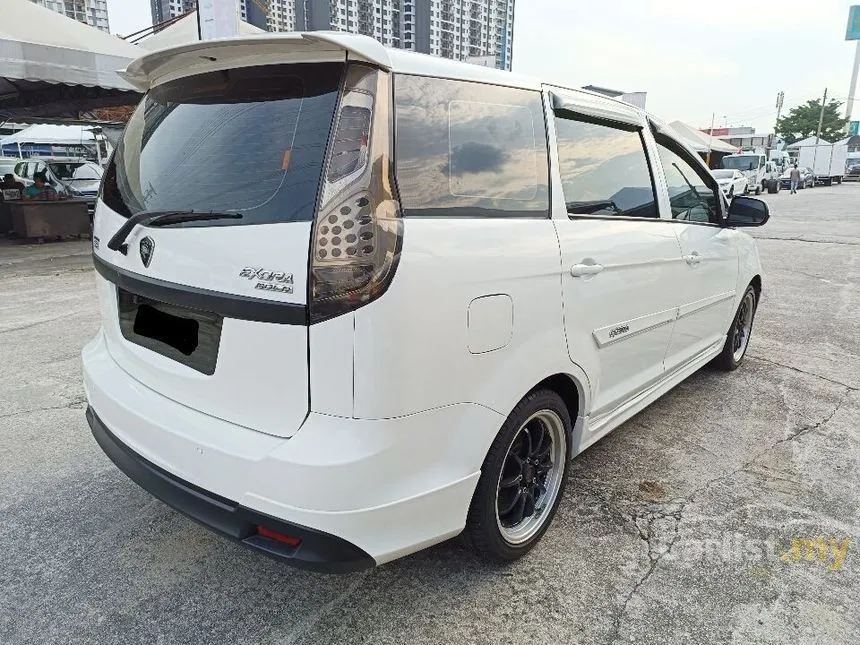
[469,149]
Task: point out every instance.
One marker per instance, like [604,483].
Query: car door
[618,257]
[706,291]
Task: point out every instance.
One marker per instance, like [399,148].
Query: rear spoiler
[248,51]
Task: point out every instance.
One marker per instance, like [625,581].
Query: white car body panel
[373,426]
[420,357]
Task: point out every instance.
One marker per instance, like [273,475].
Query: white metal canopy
[51,64]
[700,141]
[53,134]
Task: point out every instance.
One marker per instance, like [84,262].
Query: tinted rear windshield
[249,141]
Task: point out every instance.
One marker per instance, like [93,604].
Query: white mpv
[356,301]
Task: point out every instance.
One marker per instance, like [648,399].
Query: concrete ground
[672,530]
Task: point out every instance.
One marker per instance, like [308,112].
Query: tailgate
[202,234]
[227,349]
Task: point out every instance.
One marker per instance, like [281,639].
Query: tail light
[358,230]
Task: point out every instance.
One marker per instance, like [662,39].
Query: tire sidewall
[482,523]
[728,347]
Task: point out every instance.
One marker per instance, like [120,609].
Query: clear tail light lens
[358,230]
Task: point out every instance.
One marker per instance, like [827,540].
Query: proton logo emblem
[147,250]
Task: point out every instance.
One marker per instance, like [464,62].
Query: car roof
[171,63]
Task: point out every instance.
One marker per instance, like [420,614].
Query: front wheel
[738,338]
[731,192]
[522,479]
[758,189]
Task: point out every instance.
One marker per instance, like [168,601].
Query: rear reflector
[278,537]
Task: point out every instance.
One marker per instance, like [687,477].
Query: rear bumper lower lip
[318,551]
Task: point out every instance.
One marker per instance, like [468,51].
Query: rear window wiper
[178,218]
[160,218]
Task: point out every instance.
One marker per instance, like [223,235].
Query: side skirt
[597,428]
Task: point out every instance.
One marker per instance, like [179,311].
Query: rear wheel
[737,340]
[522,479]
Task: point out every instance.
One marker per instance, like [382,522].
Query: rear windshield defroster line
[225,304]
[249,140]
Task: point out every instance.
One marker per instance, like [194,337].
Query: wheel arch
[570,391]
[756,284]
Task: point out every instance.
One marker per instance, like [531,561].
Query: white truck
[827,161]
[760,173]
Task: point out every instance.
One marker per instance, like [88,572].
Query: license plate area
[187,336]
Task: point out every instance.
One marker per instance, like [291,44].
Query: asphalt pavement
[727,512]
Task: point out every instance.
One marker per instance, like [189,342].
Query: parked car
[732,182]
[853,171]
[71,177]
[807,179]
[754,166]
[389,330]
[8,165]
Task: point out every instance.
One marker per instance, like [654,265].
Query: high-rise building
[477,30]
[252,11]
[166,9]
[91,12]
[480,31]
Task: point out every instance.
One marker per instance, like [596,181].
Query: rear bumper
[388,487]
[318,551]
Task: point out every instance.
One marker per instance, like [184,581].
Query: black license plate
[187,336]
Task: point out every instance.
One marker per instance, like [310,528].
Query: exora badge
[279,281]
[147,250]
[617,331]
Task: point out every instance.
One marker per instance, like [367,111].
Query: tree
[802,121]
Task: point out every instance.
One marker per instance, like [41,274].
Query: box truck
[827,161]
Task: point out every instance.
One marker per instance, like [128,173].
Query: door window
[693,195]
[604,169]
[469,149]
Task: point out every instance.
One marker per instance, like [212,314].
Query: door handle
[581,270]
[693,258]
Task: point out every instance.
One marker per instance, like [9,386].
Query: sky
[694,58]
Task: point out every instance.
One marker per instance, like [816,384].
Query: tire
[491,526]
[731,192]
[758,189]
[735,349]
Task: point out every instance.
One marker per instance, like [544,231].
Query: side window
[604,170]
[469,149]
[692,195]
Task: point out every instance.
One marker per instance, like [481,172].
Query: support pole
[821,117]
[849,105]
[710,139]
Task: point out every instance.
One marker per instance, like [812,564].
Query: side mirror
[747,211]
